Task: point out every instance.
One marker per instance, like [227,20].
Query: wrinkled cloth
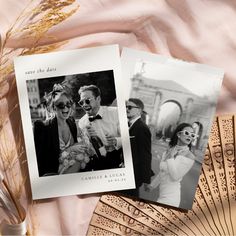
[202,31]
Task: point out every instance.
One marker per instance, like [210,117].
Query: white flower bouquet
[76,157]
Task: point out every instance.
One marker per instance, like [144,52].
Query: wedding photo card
[170,107]
[74,122]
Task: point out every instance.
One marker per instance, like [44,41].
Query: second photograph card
[170,105]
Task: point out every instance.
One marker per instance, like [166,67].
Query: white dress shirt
[132,121]
[108,125]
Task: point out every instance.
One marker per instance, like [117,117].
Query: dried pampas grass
[32,24]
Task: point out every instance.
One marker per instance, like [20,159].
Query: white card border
[129,58]
[67,63]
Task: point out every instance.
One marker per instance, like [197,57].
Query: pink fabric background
[201,31]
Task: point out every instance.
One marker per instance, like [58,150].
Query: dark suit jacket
[47,147]
[140,140]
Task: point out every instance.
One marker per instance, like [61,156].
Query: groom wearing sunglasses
[140,140]
[103,122]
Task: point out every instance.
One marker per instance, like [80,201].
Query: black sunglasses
[62,105]
[85,101]
[130,107]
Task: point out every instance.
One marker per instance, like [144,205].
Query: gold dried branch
[7,66]
[52,4]
[34,25]
[39,28]
[43,49]
[5,71]
[11,155]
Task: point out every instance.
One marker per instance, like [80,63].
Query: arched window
[169,115]
[198,127]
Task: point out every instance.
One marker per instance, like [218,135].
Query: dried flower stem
[37,22]
[21,216]
[33,23]
[8,33]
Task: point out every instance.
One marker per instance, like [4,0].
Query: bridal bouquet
[75,158]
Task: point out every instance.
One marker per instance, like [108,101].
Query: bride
[175,164]
[60,145]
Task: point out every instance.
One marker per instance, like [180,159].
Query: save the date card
[74,122]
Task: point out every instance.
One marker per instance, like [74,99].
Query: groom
[140,140]
[101,121]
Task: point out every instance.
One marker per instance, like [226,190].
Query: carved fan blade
[214,207]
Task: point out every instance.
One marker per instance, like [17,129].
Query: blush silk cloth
[202,31]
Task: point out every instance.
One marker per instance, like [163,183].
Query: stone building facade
[194,109]
[33,93]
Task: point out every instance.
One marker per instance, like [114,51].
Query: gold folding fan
[214,206]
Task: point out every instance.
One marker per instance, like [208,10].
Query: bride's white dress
[173,167]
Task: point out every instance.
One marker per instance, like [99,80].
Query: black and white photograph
[74,122]
[170,106]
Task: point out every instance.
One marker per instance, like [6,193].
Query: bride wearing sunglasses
[61,147]
[175,164]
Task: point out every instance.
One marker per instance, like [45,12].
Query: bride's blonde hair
[57,91]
